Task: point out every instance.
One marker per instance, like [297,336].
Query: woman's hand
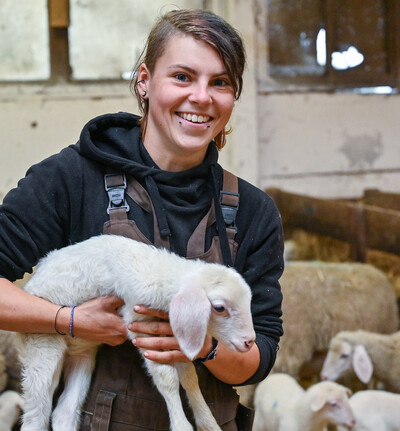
[161,345]
[96,320]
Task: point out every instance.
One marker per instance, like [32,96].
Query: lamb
[281,404]
[375,411]
[200,297]
[319,300]
[11,404]
[367,354]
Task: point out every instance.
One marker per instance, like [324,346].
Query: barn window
[337,44]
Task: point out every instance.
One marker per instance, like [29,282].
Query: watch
[212,354]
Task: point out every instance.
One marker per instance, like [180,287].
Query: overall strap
[229,198]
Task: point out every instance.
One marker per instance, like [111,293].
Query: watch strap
[212,354]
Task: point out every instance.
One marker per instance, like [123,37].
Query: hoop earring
[144,94]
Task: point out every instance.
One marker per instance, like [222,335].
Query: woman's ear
[143,77]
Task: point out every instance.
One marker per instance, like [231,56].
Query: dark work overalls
[113,399]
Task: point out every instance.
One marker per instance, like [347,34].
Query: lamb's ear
[317,402]
[189,315]
[362,363]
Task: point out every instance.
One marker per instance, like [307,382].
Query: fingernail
[137,308]
[134,341]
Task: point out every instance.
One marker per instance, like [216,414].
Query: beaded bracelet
[55,321]
[71,322]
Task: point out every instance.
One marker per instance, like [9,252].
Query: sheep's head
[345,356]
[214,300]
[329,403]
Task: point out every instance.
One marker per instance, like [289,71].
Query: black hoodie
[62,200]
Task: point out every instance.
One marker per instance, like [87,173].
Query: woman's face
[190,101]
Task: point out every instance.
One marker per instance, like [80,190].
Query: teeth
[195,118]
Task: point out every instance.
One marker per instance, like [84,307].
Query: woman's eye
[221,82]
[219,308]
[181,77]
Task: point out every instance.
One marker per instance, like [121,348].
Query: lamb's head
[216,300]
[345,355]
[329,403]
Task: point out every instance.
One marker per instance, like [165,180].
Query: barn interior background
[317,124]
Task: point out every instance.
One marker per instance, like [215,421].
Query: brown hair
[203,25]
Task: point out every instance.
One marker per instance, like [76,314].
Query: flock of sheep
[347,310]
[350,311]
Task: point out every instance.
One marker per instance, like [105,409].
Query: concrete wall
[328,145]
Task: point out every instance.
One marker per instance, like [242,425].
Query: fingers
[142,309]
[151,327]
[164,350]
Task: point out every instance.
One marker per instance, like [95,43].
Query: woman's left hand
[161,345]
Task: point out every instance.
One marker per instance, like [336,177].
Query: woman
[164,168]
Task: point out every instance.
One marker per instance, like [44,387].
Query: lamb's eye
[219,308]
[344,355]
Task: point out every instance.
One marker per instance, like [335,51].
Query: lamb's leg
[78,367]
[41,358]
[166,379]
[205,421]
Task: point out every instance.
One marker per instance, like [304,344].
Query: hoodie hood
[114,140]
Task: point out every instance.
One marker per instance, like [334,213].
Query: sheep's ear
[362,363]
[189,315]
[317,402]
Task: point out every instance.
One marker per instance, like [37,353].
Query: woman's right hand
[96,320]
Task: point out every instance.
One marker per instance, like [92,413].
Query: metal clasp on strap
[230,206]
[116,192]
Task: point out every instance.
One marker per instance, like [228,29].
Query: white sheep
[375,411]
[8,348]
[3,373]
[200,298]
[281,404]
[321,299]
[367,354]
[11,404]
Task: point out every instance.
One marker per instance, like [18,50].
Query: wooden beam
[58,13]
[359,224]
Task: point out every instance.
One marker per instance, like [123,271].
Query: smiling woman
[155,179]
[189,82]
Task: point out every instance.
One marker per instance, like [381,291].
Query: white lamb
[200,297]
[375,411]
[281,404]
[11,404]
[367,354]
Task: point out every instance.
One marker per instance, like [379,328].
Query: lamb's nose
[248,344]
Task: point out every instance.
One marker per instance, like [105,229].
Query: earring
[145,91]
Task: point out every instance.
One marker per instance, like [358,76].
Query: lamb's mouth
[194,118]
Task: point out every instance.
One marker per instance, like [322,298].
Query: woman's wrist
[62,320]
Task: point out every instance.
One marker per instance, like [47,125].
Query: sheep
[319,300]
[281,404]
[8,348]
[200,298]
[11,404]
[367,354]
[375,411]
[3,373]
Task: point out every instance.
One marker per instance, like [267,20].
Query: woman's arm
[95,320]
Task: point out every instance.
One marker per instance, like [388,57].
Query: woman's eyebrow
[193,71]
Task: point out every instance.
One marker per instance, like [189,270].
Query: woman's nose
[200,94]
